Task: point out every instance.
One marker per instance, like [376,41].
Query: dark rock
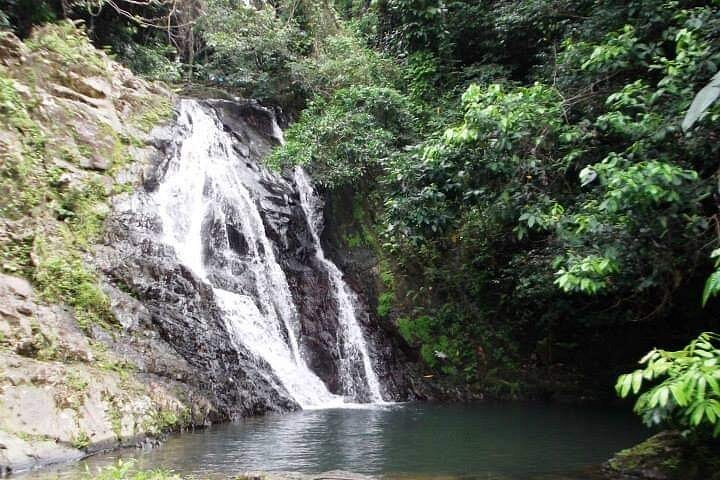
[395,360]
[160,300]
[667,456]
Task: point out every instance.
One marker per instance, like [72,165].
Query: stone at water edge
[666,456]
[18,455]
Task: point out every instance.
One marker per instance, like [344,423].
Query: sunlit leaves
[703,100]
[348,137]
[641,184]
[683,387]
[498,117]
[712,284]
[615,53]
[589,275]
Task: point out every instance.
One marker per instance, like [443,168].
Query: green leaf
[678,394]
[712,287]
[703,100]
[637,377]
[697,414]
[713,384]
[648,356]
[625,385]
[710,413]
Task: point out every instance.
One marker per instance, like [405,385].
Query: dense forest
[538,180]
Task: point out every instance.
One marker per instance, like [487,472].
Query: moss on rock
[68,118]
[667,456]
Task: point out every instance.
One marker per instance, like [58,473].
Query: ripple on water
[400,441]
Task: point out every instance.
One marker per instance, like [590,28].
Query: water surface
[488,442]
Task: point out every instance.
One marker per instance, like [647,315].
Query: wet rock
[667,456]
[393,358]
[180,307]
[17,455]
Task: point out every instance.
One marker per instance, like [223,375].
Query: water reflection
[404,441]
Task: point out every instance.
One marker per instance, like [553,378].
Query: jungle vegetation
[538,179]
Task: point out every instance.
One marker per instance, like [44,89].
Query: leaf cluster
[682,387]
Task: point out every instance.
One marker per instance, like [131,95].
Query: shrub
[682,387]
[348,138]
[126,470]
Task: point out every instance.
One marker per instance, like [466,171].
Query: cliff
[75,377]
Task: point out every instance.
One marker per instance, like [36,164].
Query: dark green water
[489,442]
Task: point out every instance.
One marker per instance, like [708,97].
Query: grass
[70,44]
[116,421]
[155,113]
[81,440]
[164,420]
[125,470]
[62,276]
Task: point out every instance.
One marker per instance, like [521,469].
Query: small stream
[488,442]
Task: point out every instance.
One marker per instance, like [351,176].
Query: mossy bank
[74,378]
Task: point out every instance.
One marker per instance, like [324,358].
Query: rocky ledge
[64,395]
[666,456]
[75,376]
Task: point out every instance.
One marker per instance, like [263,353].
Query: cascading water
[210,219]
[353,346]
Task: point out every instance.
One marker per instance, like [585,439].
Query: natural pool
[488,442]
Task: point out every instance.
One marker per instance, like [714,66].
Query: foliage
[491,146]
[126,470]
[155,61]
[65,278]
[252,49]
[21,15]
[574,173]
[684,388]
[349,137]
[70,44]
[342,61]
[286,52]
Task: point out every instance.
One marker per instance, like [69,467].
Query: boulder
[667,456]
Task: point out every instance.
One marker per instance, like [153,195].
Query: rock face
[666,456]
[70,387]
[168,360]
[182,307]
[64,394]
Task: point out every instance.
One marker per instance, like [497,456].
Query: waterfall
[354,348]
[213,223]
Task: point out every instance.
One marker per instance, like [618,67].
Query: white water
[202,179]
[354,347]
